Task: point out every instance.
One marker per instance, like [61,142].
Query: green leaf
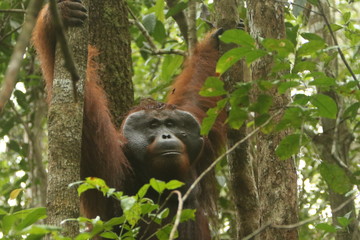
[212,114]
[159,10]
[263,104]
[109,235]
[159,32]
[230,58]
[149,22]
[237,117]
[303,66]
[3,212]
[284,86]
[115,221]
[335,177]
[326,227]
[187,214]
[239,37]
[35,215]
[311,47]
[84,187]
[164,232]
[288,146]
[343,221]
[143,190]
[335,27]
[170,66]
[213,87]
[148,208]
[346,17]
[352,111]
[174,184]
[326,106]
[176,9]
[282,46]
[157,185]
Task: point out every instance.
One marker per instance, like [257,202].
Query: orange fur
[102,146]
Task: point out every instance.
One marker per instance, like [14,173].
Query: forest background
[292,93]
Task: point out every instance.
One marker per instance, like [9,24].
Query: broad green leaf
[159,10]
[352,111]
[230,58]
[311,47]
[239,37]
[312,36]
[35,215]
[251,56]
[301,66]
[210,119]
[325,105]
[288,146]
[213,87]
[187,214]
[133,215]
[263,104]
[159,32]
[301,99]
[335,177]
[149,22]
[170,66]
[8,221]
[284,86]
[148,208]
[343,221]
[237,117]
[84,187]
[164,232]
[176,9]
[335,27]
[174,184]
[3,212]
[282,46]
[109,235]
[143,190]
[157,185]
[326,227]
[127,203]
[346,17]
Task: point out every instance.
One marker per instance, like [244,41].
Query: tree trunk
[65,134]
[109,33]
[276,178]
[334,132]
[242,181]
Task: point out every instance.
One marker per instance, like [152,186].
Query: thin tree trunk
[65,134]
[335,141]
[242,180]
[276,178]
[192,36]
[109,33]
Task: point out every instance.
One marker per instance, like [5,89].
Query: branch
[337,44]
[178,215]
[299,224]
[180,19]
[13,11]
[18,53]
[69,63]
[192,24]
[191,188]
[154,50]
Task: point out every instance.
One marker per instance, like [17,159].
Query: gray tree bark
[65,119]
[277,184]
[242,180]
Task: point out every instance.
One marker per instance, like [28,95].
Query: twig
[178,215]
[150,41]
[9,33]
[12,11]
[186,195]
[299,224]
[60,35]
[337,44]
[19,50]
